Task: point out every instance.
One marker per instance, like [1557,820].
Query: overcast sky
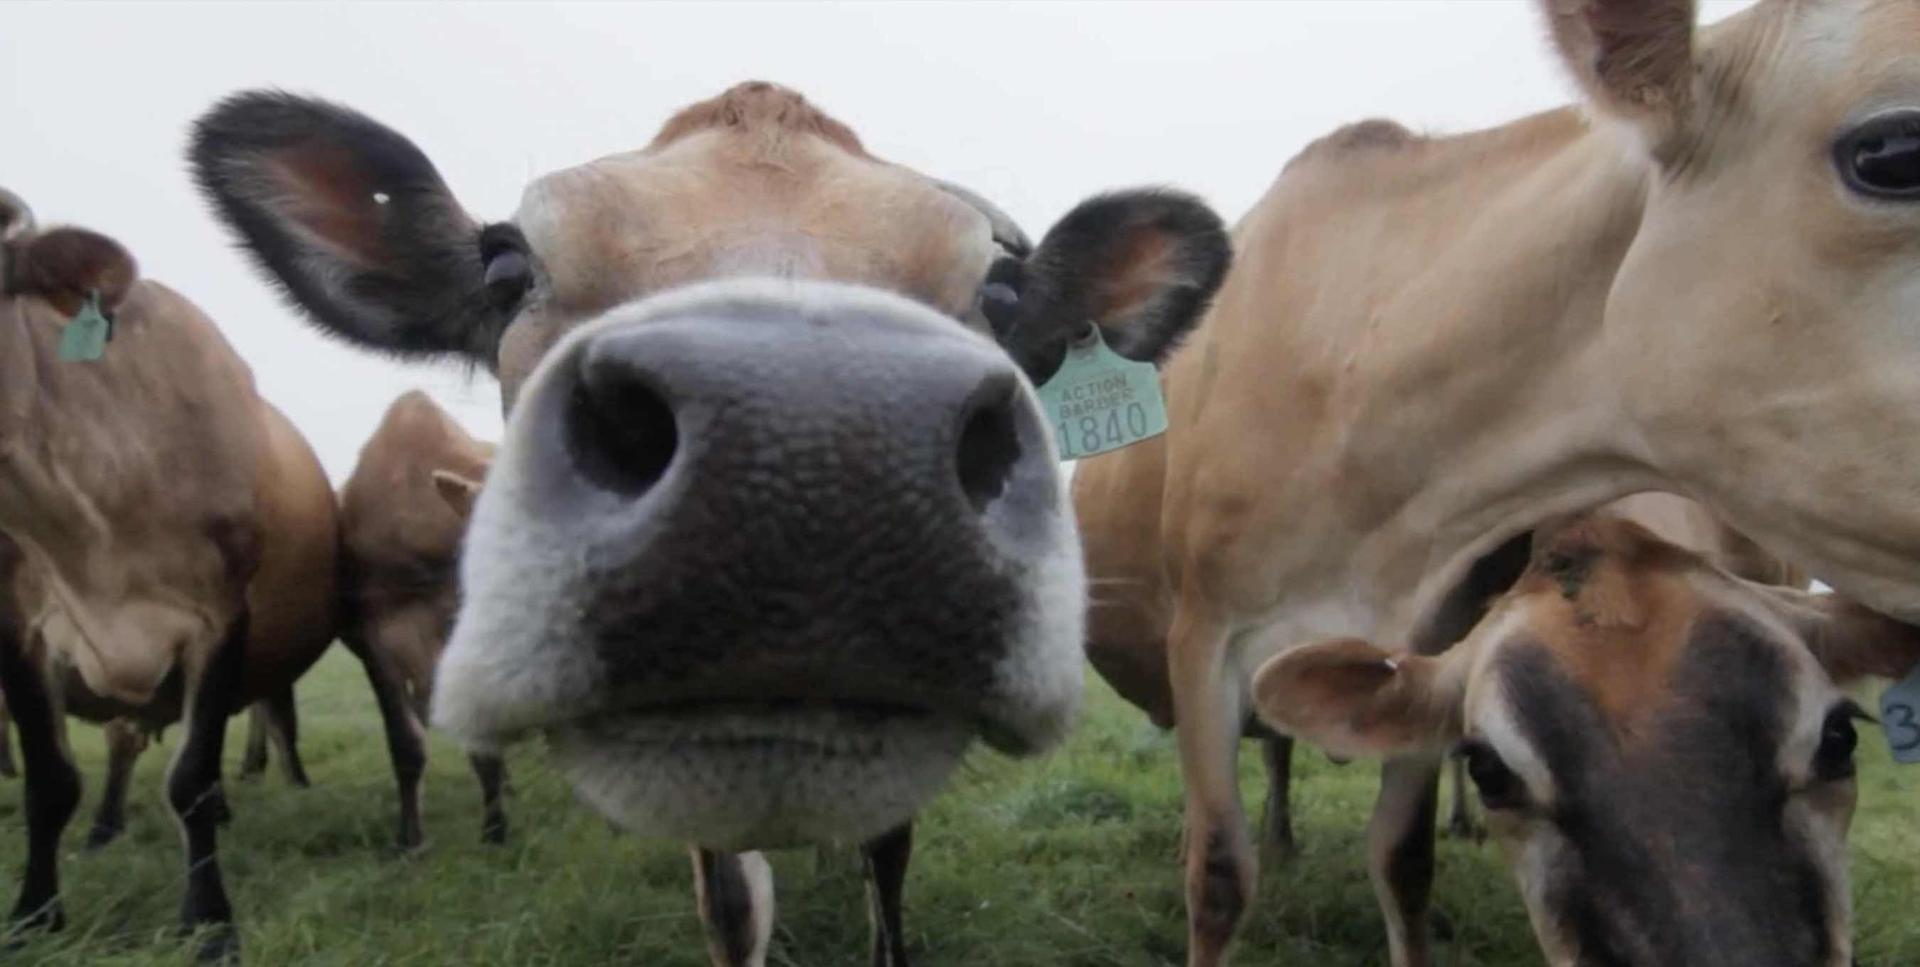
[1035,105]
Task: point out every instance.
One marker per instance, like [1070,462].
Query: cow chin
[747,777]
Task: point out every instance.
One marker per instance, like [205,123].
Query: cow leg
[406,741]
[886,866]
[193,789]
[492,772]
[253,762]
[125,742]
[282,726]
[1400,839]
[735,894]
[1276,826]
[52,783]
[1461,823]
[7,768]
[1220,861]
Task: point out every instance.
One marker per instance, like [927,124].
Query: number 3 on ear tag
[1900,717]
[1100,400]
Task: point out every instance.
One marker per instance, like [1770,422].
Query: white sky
[1034,105]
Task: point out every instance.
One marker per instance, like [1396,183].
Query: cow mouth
[760,774]
[822,727]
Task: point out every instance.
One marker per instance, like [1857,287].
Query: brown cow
[167,542]
[1697,284]
[776,529]
[402,513]
[1664,749]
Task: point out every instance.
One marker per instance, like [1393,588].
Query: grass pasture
[1066,861]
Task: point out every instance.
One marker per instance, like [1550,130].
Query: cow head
[776,528]
[1664,750]
[1770,279]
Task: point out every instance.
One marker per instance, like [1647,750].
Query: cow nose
[740,400]
[621,429]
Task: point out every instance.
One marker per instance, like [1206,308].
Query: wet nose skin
[786,502]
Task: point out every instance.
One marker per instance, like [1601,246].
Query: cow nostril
[989,442]
[621,433]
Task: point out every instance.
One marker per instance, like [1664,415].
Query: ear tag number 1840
[1100,400]
[1900,717]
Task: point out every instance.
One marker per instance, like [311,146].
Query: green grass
[1067,861]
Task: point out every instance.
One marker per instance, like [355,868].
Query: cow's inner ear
[1142,265]
[357,226]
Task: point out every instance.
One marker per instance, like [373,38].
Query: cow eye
[1499,787]
[1000,294]
[507,267]
[1881,157]
[1833,760]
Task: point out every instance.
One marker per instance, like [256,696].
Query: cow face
[1770,278]
[776,529]
[1663,749]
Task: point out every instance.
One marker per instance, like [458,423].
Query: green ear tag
[1100,400]
[85,336]
[1900,717]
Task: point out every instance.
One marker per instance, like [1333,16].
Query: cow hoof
[1442,926]
[494,833]
[1275,854]
[50,917]
[102,834]
[219,943]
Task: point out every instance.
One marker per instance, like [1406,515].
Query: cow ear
[16,219]
[1142,265]
[68,266]
[1353,699]
[357,227]
[1634,59]
[1852,642]
[458,491]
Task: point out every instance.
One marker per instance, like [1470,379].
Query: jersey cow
[167,541]
[776,528]
[402,513]
[1698,282]
[1664,750]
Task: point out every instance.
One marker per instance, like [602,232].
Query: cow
[1132,656]
[402,512]
[1693,282]
[776,529]
[1664,750]
[167,541]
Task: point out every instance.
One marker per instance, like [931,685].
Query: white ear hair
[459,492]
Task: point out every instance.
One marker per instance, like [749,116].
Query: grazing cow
[776,529]
[1132,655]
[1663,749]
[1697,283]
[167,540]
[402,513]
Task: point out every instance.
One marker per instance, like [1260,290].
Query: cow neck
[20,365]
[1481,400]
